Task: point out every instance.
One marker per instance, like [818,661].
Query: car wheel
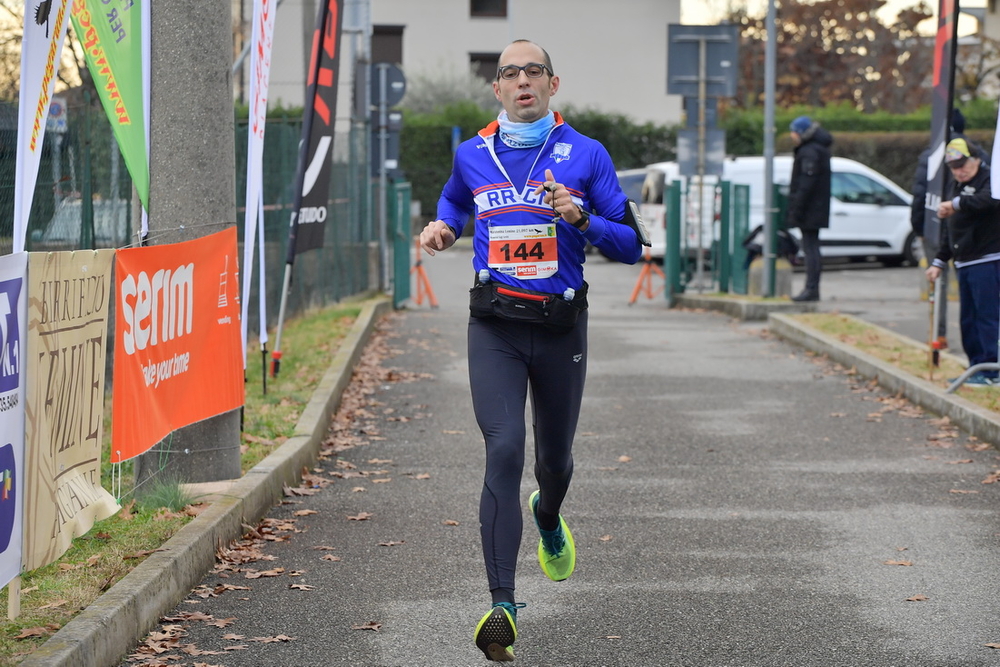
[912,250]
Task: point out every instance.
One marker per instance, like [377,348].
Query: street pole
[702,83]
[770,56]
[192,186]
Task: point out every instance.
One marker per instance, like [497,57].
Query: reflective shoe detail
[977,380]
[497,631]
[556,548]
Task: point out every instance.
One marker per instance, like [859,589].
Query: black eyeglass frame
[524,68]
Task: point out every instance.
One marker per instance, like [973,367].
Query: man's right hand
[436,236]
[933,273]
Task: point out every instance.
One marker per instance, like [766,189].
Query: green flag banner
[111,34]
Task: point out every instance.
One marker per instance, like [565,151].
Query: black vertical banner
[312,177]
[945,46]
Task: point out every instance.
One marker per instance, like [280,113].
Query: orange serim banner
[178,355]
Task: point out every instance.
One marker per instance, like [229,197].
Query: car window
[859,189]
[632,185]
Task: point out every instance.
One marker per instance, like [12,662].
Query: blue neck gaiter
[525,135]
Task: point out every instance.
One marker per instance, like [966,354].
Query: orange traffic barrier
[645,282]
[423,282]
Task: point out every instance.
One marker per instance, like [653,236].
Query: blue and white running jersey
[515,235]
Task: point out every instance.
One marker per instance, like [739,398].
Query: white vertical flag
[41,49]
[260,72]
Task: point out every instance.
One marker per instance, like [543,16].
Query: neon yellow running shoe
[556,549]
[497,631]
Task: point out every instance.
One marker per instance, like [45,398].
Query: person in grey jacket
[970,238]
[809,196]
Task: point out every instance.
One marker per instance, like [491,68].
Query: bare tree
[833,51]
[72,68]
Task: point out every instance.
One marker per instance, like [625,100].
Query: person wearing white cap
[970,238]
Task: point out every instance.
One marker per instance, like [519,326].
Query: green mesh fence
[63,218]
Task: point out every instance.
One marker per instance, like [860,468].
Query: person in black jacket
[970,238]
[918,209]
[809,196]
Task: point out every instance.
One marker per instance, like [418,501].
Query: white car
[869,214]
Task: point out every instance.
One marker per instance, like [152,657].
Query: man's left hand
[559,199]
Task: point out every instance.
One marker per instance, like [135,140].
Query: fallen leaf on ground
[904,563]
[368,626]
[382,481]
[958,462]
[332,559]
[302,587]
[390,544]
[299,491]
[450,522]
[624,459]
[605,538]
[304,513]
[961,491]
[917,598]
[277,572]
[272,640]
[42,631]
[360,516]
[53,605]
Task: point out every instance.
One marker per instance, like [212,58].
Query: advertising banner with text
[312,179]
[13,324]
[41,48]
[68,309]
[110,32]
[945,46]
[178,350]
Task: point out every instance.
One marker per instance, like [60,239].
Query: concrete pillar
[192,184]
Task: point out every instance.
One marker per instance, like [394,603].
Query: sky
[709,12]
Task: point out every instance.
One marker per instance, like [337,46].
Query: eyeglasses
[533,70]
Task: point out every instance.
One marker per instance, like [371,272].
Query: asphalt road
[735,503]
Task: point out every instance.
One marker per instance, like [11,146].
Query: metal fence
[85,155]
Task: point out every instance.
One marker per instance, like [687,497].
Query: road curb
[107,629]
[744,309]
[976,420]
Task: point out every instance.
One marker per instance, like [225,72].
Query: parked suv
[869,214]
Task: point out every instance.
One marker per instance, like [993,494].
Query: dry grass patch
[904,353]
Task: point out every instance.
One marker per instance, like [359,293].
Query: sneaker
[980,380]
[977,380]
[556,549]
[497,631]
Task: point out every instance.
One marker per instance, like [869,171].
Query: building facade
[610,56]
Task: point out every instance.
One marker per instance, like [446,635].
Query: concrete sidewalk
[734,503]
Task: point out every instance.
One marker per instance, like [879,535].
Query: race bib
[525,252]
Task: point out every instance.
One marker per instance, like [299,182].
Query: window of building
[485,64]
[488,8]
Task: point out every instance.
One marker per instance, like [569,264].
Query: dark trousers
[814,263]
[979,294]
[506,359]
